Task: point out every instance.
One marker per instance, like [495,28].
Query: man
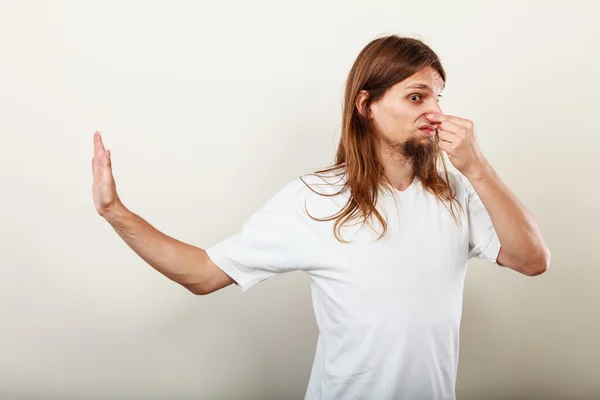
[384,234]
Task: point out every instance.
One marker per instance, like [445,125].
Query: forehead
[427,76]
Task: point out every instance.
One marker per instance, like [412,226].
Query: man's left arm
[522,246]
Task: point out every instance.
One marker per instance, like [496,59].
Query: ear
[361,101]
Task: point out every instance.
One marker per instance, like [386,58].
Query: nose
[433,108]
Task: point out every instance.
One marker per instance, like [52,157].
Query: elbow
[198,292]
[197,289]
[540,264]
[202,289]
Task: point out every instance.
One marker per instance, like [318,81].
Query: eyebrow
[422,86]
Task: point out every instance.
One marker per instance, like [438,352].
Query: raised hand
[104,190]
[459,140]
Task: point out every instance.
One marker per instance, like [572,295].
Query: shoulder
[459,183]
[321,193]
[326,182]
[309,185]
[454,177]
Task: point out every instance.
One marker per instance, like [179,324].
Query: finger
[465,123]
[436,117]
[101,169]
[445,146]
[107,174]
[97,167]
[446,137]
[451,127]
[108,160]
[446,117]
[98,145]
[101,165]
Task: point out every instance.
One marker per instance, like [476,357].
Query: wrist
[115,212]
[479,172]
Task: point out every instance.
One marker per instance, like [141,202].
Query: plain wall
[208,109]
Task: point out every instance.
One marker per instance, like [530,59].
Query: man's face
[400,116]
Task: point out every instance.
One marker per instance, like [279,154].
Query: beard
[421,153]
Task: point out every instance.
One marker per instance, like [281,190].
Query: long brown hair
[380,65]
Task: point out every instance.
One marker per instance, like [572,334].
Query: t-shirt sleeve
[483,239]
[272,241]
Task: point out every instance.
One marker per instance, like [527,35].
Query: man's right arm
[185,264]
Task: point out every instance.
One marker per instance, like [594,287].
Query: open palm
[104,190]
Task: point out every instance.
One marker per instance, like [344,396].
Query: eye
[412,96]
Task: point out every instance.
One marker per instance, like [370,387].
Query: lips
[429,129]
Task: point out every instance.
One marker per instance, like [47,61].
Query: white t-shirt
[388,311]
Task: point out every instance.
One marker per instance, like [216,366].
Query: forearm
[517,230]
[174,259]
